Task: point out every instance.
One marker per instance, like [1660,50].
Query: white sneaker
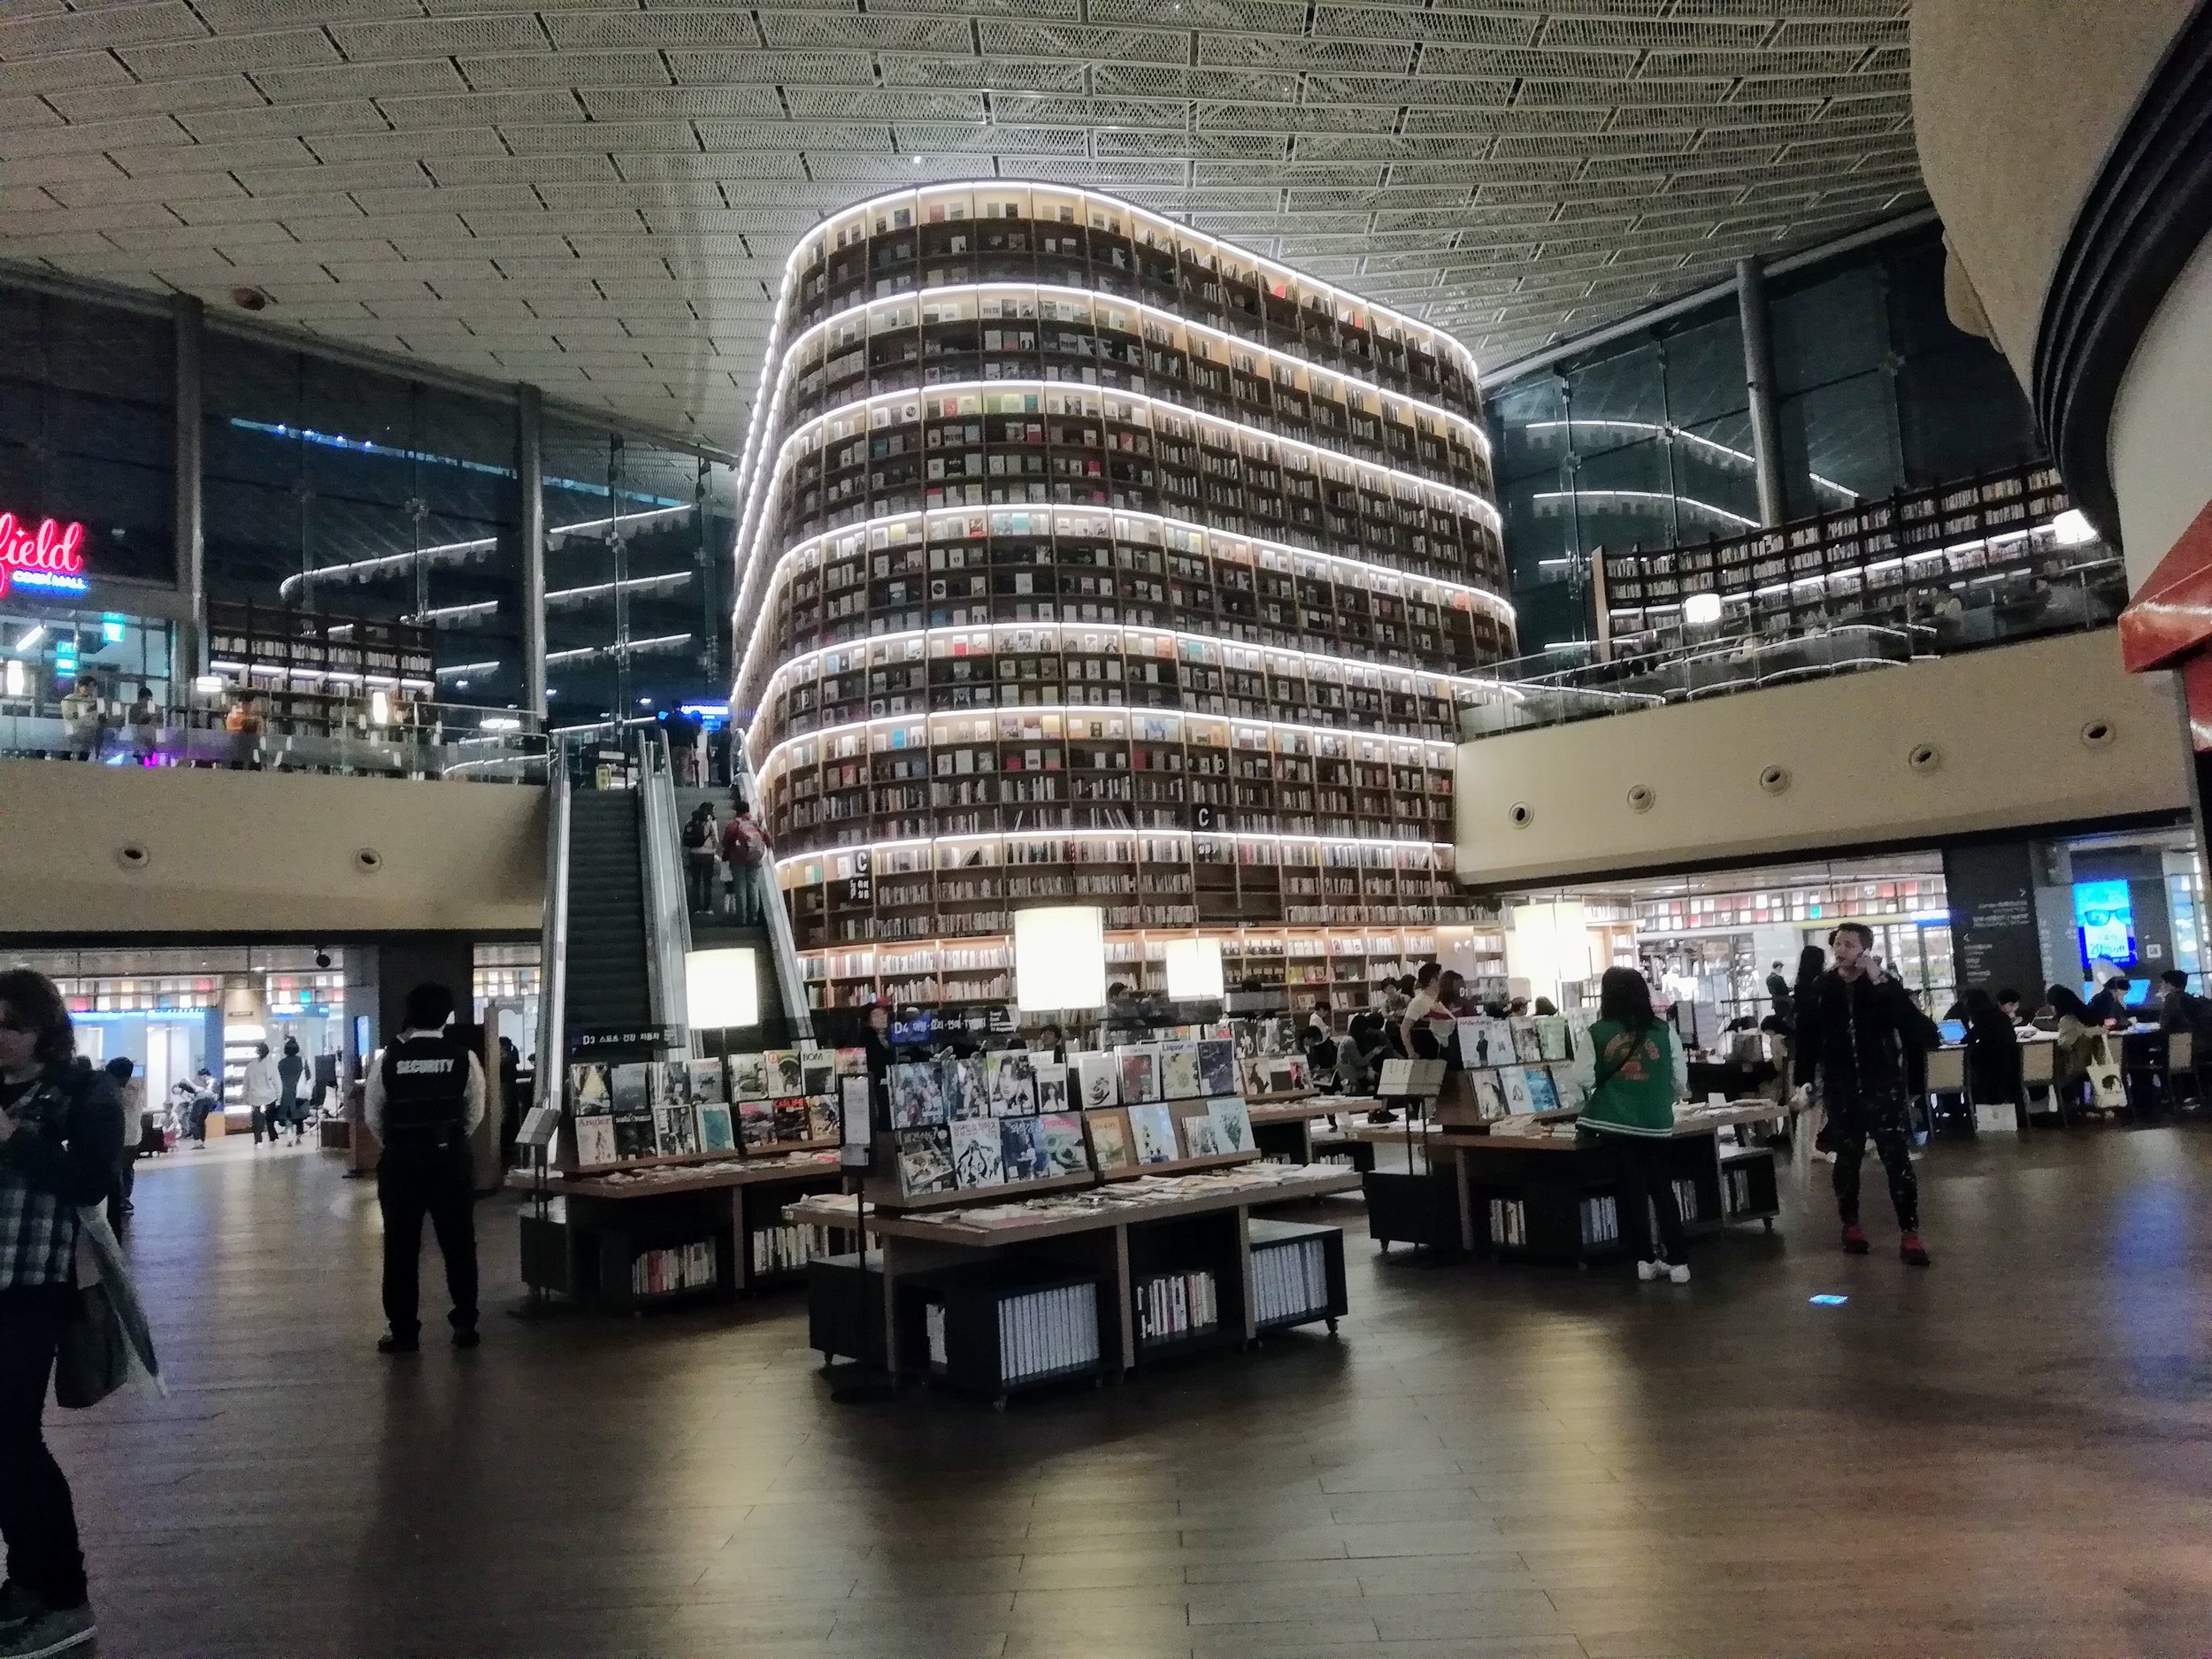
[1679,1273]
[1649,1271]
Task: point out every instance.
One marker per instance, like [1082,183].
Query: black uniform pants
[1883,1121]
[436,1181]
[37,1518]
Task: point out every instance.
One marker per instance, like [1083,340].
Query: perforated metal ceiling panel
[599,197]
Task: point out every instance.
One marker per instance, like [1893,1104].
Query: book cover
[1097,1080]
[595,1139]
[918,1099]
[671,1083]
[1552,1038]
[960,1080]
[1493,1045]
[1152,1133]
[1542,1096]
[1064,1143]
[1010,1078]
[1252,1073]
[1567,1086]
[1139,1067]
[717,1133]
[1052,1088]
[975,1152]
[1396,1078]
[634,1136]
[926,1160]
[1179,1071]
[786,1076]
[856,1109]
[1233,1124]
[790,1120]
[589,1090]
[706,1082]
[823,1122]
[851,1061]
[1199,1140]
[632,1088]
[1514,1081]
[1489,1092]
[748,1077]
[675,1131]
[755,1123]
[1110,1138]
[1022,1156]
[817,1071]
[1217,1066]
[1527,1045]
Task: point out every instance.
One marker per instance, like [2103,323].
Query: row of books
[1512,1091]
[775,1074]
[1686,1198]
[1177,1304]
[1040,1332]
[1485,1042]
[1739,1197]
[972,1153]
[758,1103]
[1601,1219]
[662,1272]
[1509,1221]
[784,1250]
[758,1127]
[1289,1281]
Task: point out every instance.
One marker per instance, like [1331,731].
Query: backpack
[695,832]
[741,844]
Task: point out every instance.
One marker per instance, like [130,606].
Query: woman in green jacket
[1633,1073]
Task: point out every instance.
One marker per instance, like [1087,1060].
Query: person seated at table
[2109,1006]
[1359,1057]
[2077,1034]
[2179,1009]
[1992,1055]
[2009,1005]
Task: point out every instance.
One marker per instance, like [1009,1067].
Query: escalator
[607,983]
[718,931]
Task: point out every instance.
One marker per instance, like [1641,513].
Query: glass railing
[437,740]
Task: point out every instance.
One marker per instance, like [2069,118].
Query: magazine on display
[961,1084]
[1139,1065]
[1064,1143]
[595,1139]
[975,1152]
[1233,1124]
[1022,1154]
[717,1133]
[590,1089]
[786,1076]
[791,1121]
[675,1130]
[1217,1066]
[823,1122]
[1489,1093]
[1179,1071]
[634,1136]
[1152,1133]
[704,1083]
[817,1071]
[1052,1089]
[1527,1044]
[632,1088]
[1542,1097]
[1111,1147]
[1568,1088]
[918,1099]
[1098,1080]
[1518,1099]
[748,1077]
[756,1125]
[1552,1036]
[926,1160]
[1010,1079]
[1199,1140]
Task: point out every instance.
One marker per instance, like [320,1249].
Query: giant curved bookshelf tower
[1086,559]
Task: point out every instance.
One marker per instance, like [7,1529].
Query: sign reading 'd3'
[49,558]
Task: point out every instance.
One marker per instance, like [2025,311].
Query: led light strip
[1479,439]
[787,562]
[1094,836]
[626,648]
[763,769]
[1645,497]
[1660,429]
[455,549]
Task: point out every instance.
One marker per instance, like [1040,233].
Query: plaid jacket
[63,1155]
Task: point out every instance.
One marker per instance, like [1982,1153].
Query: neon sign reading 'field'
[49,558]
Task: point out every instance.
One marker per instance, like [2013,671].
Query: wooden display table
[1294,1129]
[1124,1239]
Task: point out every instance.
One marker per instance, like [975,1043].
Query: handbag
[93,1359]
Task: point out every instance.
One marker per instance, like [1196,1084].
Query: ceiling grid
[600,196]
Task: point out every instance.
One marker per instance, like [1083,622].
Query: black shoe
[467,1338]
[398,1344]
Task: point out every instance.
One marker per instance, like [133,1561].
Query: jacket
[1853,1034]
[259,1086]
[62,1156]
[1630,1090]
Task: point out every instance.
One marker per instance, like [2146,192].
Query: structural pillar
[189,519]
[529,478]
[1758,376]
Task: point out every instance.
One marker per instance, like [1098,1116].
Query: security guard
[424,1098]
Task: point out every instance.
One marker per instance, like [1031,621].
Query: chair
[2039,1071]
[1947,1080]
[2181,1070]
[2143,1070]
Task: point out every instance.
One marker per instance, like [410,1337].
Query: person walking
[423,1099]
[61,1131]
[703,840]
[745,849]
[130,1094]
[291,1108]
[1631,1072]
[261,1088]
[1854,1030]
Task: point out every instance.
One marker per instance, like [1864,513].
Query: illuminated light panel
[47,556]
[1094,836]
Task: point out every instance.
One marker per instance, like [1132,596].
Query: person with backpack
[744,849]
[702,841]
[1631,1072]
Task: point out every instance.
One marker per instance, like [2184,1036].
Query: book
[786,1076]
[1489,1092]
[1527,1045]
[634,1136]
[1542,1096]
[918,1099]
[850,1062]
[823,1121]
[1022,1155]
[1396,1078]
[1217,1066]
[1097,1080]
[590,1090]
[1552,1037]
[705,1084]
[595,1139]
[1065,1154]
[1199,1140]
[1152,1133]
[856,1109]
[716,1132]
[1052,1088]
[790,1120]
[1492,1043]
[675,1131]
[671,1083]
[924,1161]
[1514,1081]
[748,1077]
[817,1071]
[1568,1088]
[633,1088]
[975,1152]
[756,1125]
[960,1080]
[1179,1071]
[1110,1138]
[1139,1067]
[1233,1124]
[1009,1079]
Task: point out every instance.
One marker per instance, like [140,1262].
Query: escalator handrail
[783,946]
[552,1074]
[667,906]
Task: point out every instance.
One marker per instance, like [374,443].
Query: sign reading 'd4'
[49,558]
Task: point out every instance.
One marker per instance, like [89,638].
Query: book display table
[1101,1281]
[1295,1130]
[632,1237]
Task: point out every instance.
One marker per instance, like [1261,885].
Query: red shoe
[1914,1252]
[1855,1241]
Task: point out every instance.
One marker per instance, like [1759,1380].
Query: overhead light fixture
[208,685]
[2072,528]
[380,708]
[1194,969]
[721,988]
[1701,610]
[1060,957]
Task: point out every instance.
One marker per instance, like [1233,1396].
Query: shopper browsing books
[1631,1072]
[1853,1031]
[424,1098]
[1418,1009]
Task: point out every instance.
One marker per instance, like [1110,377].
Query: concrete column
[188,520]
[529,477]
[1758,374]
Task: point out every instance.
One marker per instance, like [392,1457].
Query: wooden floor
[2005,1455]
